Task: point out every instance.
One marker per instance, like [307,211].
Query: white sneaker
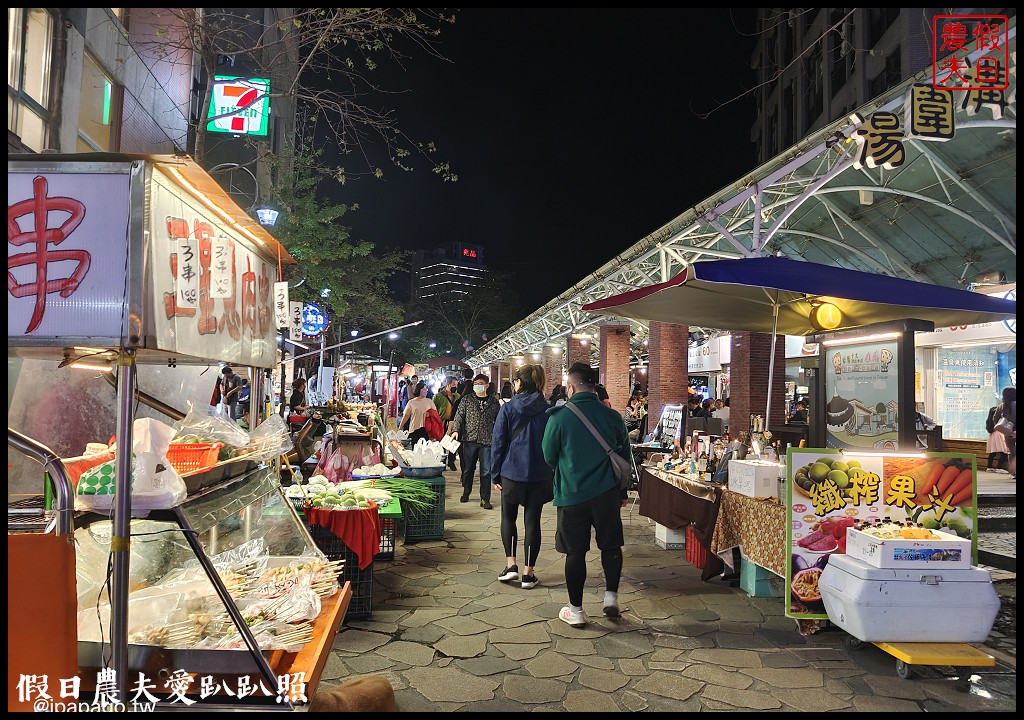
[573,617]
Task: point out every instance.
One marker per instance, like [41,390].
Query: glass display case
[230,601]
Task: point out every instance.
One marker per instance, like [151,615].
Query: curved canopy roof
[945,217]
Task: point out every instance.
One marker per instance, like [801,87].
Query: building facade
[449,271]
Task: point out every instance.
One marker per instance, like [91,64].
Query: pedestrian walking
[474,421]
[520,473]
[586,491]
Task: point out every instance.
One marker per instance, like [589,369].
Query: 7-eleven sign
[242,107]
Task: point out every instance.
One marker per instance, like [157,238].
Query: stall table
[756,526]
[677,501]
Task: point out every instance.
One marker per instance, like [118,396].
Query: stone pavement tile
[334,668]
[575,646]
[463,625]
[632,666]
[782,660]
[519,651]
[550,665]
[369,663]
[728,658]
[527,690]
[877,703]
[632,645]
[594,661]
[669,666]
[511,617]
[355,642]
[460,603]
[535,633]
[665,654]
[743,641]
[787,677]
[488,665]
[671,685]
[811,701]
[462,647]
[714,675]
[408,653]
[589,701]
[411,602]
[427,615]
[604,680]
[744,699]
[428,634]
[451,684]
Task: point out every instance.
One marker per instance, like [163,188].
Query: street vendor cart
[143,267]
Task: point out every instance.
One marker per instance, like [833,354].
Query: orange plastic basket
[193,457]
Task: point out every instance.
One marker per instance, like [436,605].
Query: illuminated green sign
[240,106]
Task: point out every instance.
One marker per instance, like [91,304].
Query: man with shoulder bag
[588,491]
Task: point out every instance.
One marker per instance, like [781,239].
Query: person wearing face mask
[474,421]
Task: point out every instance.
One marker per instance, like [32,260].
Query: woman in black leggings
[522,476]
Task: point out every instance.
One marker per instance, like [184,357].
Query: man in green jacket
[586,491]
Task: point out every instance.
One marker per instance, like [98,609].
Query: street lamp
[267,216]
[432,345]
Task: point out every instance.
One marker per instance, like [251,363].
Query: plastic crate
[362,580]
[696,554]
[390,517]
[192,457]
[426,523]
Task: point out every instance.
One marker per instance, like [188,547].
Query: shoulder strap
[590,426]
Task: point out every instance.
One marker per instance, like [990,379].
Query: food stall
[143,268]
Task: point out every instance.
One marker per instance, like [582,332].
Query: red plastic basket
[193,457]
[696,554]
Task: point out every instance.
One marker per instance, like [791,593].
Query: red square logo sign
[984,37]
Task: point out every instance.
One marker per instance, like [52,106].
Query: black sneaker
[464,498]
[486,505]
[530,582]
[509,574]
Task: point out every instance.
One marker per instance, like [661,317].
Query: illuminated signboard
[466,252]
[241,107]
[314,320]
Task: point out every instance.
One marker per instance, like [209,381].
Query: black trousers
[471,453]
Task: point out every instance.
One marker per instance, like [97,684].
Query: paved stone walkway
[450,637]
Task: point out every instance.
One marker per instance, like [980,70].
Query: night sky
[574,134]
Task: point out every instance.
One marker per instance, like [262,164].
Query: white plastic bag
[155,484]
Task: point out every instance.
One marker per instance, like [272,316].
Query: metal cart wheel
[903,670]
[853,643]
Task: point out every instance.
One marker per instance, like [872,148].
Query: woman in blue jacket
[522,476]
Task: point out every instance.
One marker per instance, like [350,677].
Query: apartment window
[890,75]
[29,48]
[100,110]
[814,90]
[880,20]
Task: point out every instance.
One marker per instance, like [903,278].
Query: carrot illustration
[961,483]
[935,470]
[962,497]
[946,479]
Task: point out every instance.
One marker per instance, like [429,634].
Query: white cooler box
[754,478]
[907,605]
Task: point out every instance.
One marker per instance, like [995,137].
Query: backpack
[433,424]
[990,423]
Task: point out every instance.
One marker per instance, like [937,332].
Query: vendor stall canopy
[944,216]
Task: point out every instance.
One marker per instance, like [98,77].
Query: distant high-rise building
[450,270]
[816,65]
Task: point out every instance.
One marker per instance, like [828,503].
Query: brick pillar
[667,373]
[614,363]
[514,363]
[492,372]
[748,380]
[578,350]
[552,361]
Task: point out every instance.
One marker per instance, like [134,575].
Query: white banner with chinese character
[69,278]
[281,304]
[209,291]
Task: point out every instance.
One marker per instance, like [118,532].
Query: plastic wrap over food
[270,439]
[198,426]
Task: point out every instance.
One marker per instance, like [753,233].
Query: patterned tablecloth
[758,526]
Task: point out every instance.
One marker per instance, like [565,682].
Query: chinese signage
[830,492]
[314,320]
[67,254]
[239,106]
[861,387]
[209,291]
[988,34]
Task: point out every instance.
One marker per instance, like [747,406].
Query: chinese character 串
[40,207]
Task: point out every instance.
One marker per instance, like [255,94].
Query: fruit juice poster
[830,491]
[862,391]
